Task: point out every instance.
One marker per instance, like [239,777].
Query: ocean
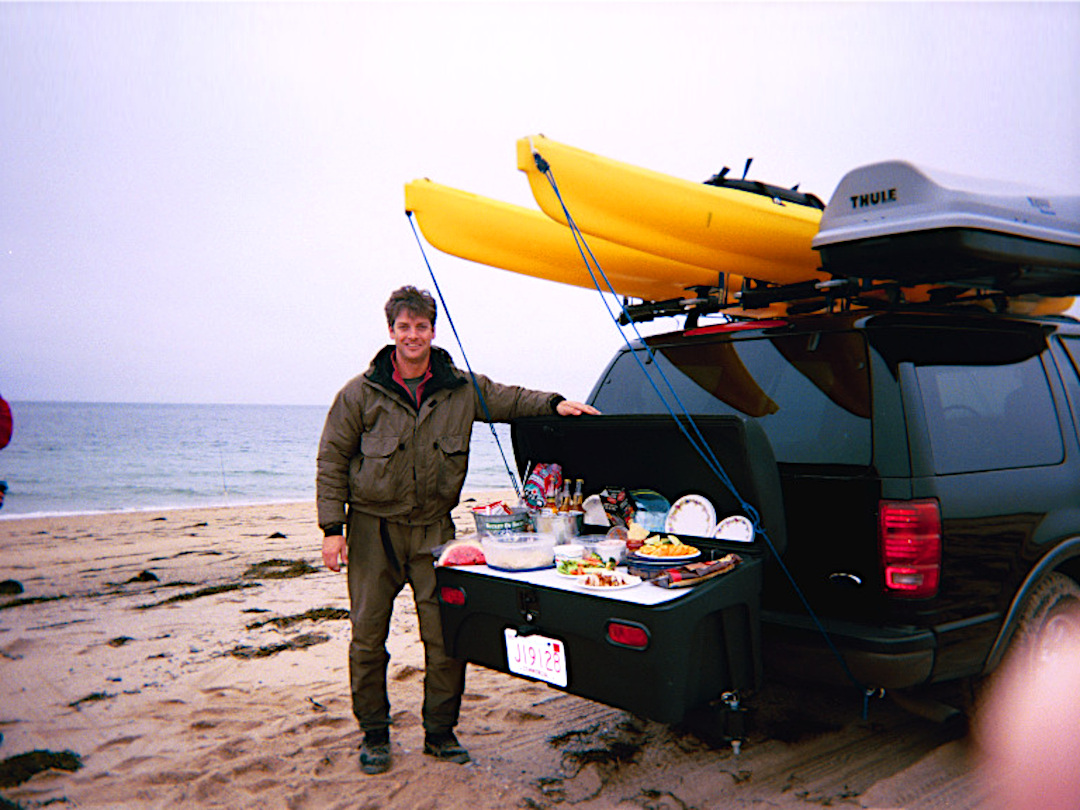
[69,458]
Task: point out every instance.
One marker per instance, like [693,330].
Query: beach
[198,657]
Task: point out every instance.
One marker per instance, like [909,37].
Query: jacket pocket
[452,458]
[378,474]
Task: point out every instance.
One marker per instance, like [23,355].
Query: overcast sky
[204,202]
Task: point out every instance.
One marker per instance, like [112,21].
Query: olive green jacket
[386,455]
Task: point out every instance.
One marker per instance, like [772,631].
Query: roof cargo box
[896,221]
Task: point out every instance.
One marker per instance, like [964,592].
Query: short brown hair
[418,302]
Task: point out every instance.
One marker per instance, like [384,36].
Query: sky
[205,202]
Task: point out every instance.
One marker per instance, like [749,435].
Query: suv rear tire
[1051,615]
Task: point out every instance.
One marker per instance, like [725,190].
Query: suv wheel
[1050,618]
[1028,718]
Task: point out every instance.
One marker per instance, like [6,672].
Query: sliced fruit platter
[666,548]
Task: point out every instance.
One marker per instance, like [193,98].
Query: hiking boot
[445,746]
[375,751]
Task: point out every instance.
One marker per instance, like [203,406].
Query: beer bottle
[576,504]
[564,502]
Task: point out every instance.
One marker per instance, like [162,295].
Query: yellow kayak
[521,240]
[722,229]
[649,252]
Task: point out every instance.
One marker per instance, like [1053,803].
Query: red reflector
[909,533]
[628,635]
[452,596]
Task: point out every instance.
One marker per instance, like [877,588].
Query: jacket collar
[443,373]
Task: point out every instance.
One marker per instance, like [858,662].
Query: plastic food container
[569,551]
[519,552]
[517,521]
[608,549]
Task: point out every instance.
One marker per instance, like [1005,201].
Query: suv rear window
[989,417]
[810,393]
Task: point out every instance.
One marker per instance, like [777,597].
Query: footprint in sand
[119,741]
[407,671]
[521,716]
[404,719]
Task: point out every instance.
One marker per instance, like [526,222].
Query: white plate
[667,558]
[691,515]
[736,528]
[629,581]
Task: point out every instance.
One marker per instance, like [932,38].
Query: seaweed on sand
[30,600]
[280,569]
[300,642]
[210,590]
[93,697]
[599,745]
[10,587]
[19,768]
[314,615]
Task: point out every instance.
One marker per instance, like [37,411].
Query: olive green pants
[383,556]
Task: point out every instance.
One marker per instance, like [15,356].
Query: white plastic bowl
[609,549]
[569,551]
[519,552]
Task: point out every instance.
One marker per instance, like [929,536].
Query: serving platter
[681,558]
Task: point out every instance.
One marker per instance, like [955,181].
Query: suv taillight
[909,533]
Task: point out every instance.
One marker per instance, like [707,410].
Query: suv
[930,471]
[905,438]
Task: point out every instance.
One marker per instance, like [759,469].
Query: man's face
[412,335]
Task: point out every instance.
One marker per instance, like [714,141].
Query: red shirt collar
[401,380]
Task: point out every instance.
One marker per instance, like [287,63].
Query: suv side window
[988,417]
[1072,346]
[810,392]
[1072,385]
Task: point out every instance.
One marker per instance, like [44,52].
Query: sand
[198,658]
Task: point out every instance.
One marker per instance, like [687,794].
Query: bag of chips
[618,505]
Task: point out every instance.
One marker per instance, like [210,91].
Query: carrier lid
[895,197]
[895,221]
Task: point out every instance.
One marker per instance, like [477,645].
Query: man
[392,461]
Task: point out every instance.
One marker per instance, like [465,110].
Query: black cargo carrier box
[896,221]
[687,647]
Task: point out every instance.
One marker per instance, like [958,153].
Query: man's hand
[570,408]
[334,551]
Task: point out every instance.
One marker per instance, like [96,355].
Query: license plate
[537,657]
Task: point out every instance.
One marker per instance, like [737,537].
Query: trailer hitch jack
[734,720]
